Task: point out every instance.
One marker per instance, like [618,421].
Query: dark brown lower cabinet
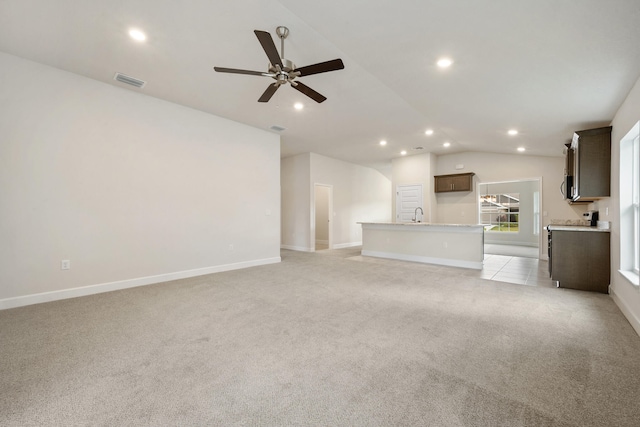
[580,260]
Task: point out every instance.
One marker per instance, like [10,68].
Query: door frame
[313,215]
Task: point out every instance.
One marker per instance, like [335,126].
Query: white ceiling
[545,67]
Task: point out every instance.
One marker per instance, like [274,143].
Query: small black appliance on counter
[591,216]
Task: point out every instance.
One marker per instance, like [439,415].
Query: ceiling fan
[284,71]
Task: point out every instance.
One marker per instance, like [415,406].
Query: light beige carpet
[322,340]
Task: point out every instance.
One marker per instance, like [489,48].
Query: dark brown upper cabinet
[589,160]
[454,182]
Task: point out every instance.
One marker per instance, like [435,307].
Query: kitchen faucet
[415,214]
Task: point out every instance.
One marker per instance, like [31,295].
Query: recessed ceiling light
[137,35]
[446,144]
[403,153]
[521,149]
[298,105]
[444,62]
[512,132]
[428,132]
[383,142]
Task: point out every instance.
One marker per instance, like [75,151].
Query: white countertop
[421,224]
[576,228]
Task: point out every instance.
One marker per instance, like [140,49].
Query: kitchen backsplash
[570,222]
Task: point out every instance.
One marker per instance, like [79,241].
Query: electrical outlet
[231,247]
[65,264]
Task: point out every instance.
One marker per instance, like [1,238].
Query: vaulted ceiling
[544,67]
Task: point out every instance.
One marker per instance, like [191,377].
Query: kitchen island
[456,245]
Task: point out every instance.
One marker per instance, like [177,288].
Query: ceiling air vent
[123,78]
[277,128]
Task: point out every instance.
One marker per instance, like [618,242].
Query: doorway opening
[510,213]
[322,208]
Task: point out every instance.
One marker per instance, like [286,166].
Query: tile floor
[519,270]
[511,250]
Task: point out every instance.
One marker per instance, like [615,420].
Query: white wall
[131,189]
[359,194]
[490,167]
[625,294]
[416,169]
[296,199]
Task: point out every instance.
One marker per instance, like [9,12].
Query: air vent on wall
[123,78]
[277,128]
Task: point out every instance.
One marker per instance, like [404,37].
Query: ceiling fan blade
[269,47]
[321,67]
[236,71]
[266,96]
[309,92]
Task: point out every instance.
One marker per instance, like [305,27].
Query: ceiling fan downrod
[282,32]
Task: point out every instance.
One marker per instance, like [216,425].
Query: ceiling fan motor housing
[286,66]
[284,74]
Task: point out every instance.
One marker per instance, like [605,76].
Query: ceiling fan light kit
[284,71]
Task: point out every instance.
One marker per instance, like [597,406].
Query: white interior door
[322,199]
[408,198]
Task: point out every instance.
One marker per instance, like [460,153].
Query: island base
[442,244]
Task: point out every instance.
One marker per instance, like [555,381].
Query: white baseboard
[424,259]
[303,249]
[502,242]
[322,242]
[296,248]
[125,284]
[347,245]
[626,310]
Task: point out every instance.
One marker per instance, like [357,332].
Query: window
[629,204]
[500,212]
